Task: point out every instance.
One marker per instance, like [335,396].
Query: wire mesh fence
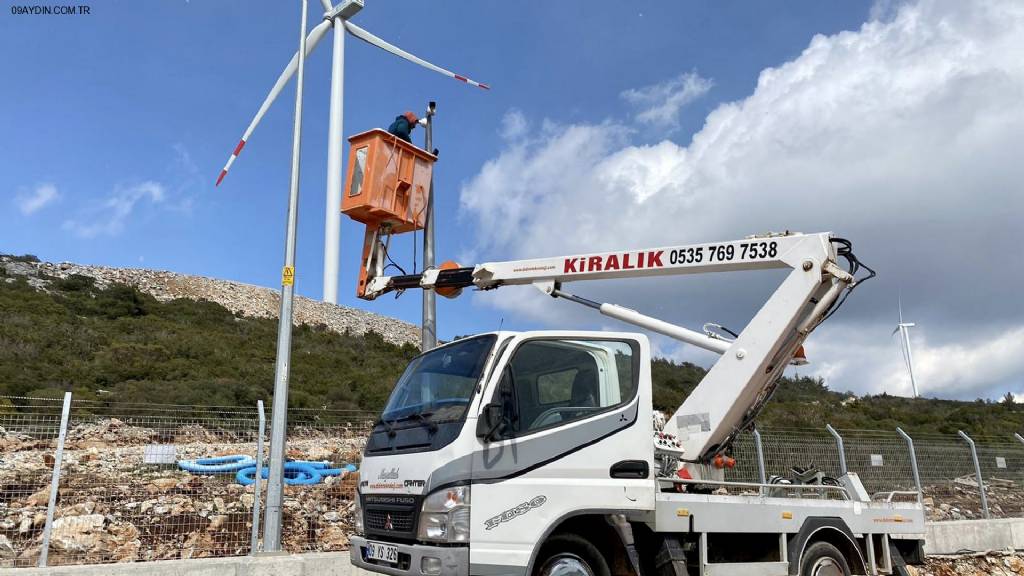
[153,482]
[319,517]
[802,449]
[1002,468]
[885,466]
[124,496]
[137,484]
[948,477]
[882,461]
[29,428]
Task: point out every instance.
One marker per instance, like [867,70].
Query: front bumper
[454,560]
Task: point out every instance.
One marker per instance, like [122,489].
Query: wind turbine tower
[908,356]
[337,18]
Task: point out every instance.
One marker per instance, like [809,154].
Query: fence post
[760,456]
[913,462]
[977,472]
[839,444]
[258,486]
[55,479]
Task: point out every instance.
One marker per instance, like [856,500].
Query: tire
[570,555]
[823,559]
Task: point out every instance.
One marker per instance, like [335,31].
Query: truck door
[574,435]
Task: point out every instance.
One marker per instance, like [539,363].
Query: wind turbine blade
[388,47]
[312,39]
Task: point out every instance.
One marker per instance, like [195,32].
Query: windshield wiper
[387,426]
[423,418]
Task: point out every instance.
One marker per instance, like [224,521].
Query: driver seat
[584,390]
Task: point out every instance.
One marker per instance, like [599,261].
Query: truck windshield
[439,385]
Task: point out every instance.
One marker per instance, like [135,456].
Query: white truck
[539,453]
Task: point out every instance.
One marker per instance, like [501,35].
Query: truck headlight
[445,516]
[358,510]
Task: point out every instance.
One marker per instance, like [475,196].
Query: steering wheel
[543,418]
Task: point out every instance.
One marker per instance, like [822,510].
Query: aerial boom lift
[733,392]
[540,453]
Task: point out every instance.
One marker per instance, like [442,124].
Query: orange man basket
[388,182]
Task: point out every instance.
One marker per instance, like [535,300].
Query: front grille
[392,517]
[388,521]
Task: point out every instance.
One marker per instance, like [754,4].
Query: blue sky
[116,124]
[161,91]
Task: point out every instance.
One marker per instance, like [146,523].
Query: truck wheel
[823,559]
[570,555]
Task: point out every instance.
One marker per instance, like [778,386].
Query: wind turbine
[908,357]
[336,17]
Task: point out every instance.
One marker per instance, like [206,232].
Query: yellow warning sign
[288,276]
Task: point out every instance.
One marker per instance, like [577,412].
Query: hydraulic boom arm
[741,381]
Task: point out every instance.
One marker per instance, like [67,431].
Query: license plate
[382,552]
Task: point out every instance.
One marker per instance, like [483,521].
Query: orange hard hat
[411,117]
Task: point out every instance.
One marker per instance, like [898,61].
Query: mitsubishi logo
[387,523]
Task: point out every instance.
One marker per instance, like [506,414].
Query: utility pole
[428,338]
[279,422]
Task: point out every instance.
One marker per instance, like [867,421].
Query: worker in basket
[403,126]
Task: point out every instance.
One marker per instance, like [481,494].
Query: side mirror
[491,419]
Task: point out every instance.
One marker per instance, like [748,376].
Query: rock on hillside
[242,299]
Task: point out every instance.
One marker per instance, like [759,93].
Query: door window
[550,382]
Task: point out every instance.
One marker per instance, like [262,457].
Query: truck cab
[489,442]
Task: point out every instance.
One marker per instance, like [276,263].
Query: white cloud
[110,216]
[183,160]
[661,103]
[514,125]
[883,9]
[903,136]
[986,365]
[31,201]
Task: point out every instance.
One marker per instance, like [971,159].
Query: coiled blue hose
[295,474]
[217,465]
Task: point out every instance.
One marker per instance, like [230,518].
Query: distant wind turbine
[908,356]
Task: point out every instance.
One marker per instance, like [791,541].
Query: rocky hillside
[158,337]
[242,299]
